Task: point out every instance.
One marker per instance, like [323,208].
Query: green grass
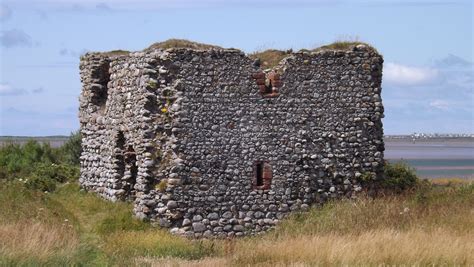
[104,232]
[272,57]
[269,58]
[342,45]
[180,43]
[117,53]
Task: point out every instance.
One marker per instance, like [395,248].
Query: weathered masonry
[207,143]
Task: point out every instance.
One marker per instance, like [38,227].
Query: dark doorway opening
[126,166]
[119,156]
[130,177]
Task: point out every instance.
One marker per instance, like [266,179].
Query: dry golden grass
[168,262]
[36,240]
[373,247]
[378,247]
[431,227]
[451,181]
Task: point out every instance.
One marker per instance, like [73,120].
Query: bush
[40,183]
[46,176]
[399,177]
[71,150]
[57,172]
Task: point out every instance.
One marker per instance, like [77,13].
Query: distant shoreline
[391,141]
[432,157]
[54,141]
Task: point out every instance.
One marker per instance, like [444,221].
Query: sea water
[434,158]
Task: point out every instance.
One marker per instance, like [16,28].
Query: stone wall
[208,144]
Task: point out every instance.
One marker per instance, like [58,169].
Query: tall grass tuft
[156,244]
[25,241]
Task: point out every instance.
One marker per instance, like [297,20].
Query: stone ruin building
[209,143]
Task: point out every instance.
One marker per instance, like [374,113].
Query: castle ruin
[208,143]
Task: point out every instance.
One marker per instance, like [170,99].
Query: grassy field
[47,220]
[432,225]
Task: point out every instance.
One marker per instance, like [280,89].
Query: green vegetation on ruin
[271,57]
[341,46]
[181,43]
[117,53]
[268,58]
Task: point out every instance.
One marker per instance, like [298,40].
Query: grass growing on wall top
[181,43]
[270,58]
[117,53]
[341,45]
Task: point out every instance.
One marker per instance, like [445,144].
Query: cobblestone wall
[208,144]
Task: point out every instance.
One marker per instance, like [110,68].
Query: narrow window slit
[259,174]
[262,175]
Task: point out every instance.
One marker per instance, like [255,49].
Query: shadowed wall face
[224,148]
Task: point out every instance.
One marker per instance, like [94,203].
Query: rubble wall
[209,144]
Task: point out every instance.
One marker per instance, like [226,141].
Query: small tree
[72,149]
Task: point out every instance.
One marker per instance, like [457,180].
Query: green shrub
[45,176]
[40,183]
[399,177]
[72,149]
[57,172]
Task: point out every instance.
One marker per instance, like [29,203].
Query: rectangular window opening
[259,174]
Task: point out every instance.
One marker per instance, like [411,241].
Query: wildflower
[405,210]
[164,110]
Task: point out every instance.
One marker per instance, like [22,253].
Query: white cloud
[7,89]
[103,6]
[5,12]
[408,75]
[15,37]
[38,90]
[439,104]
[72,53]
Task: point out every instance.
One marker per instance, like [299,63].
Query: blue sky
[427,47]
